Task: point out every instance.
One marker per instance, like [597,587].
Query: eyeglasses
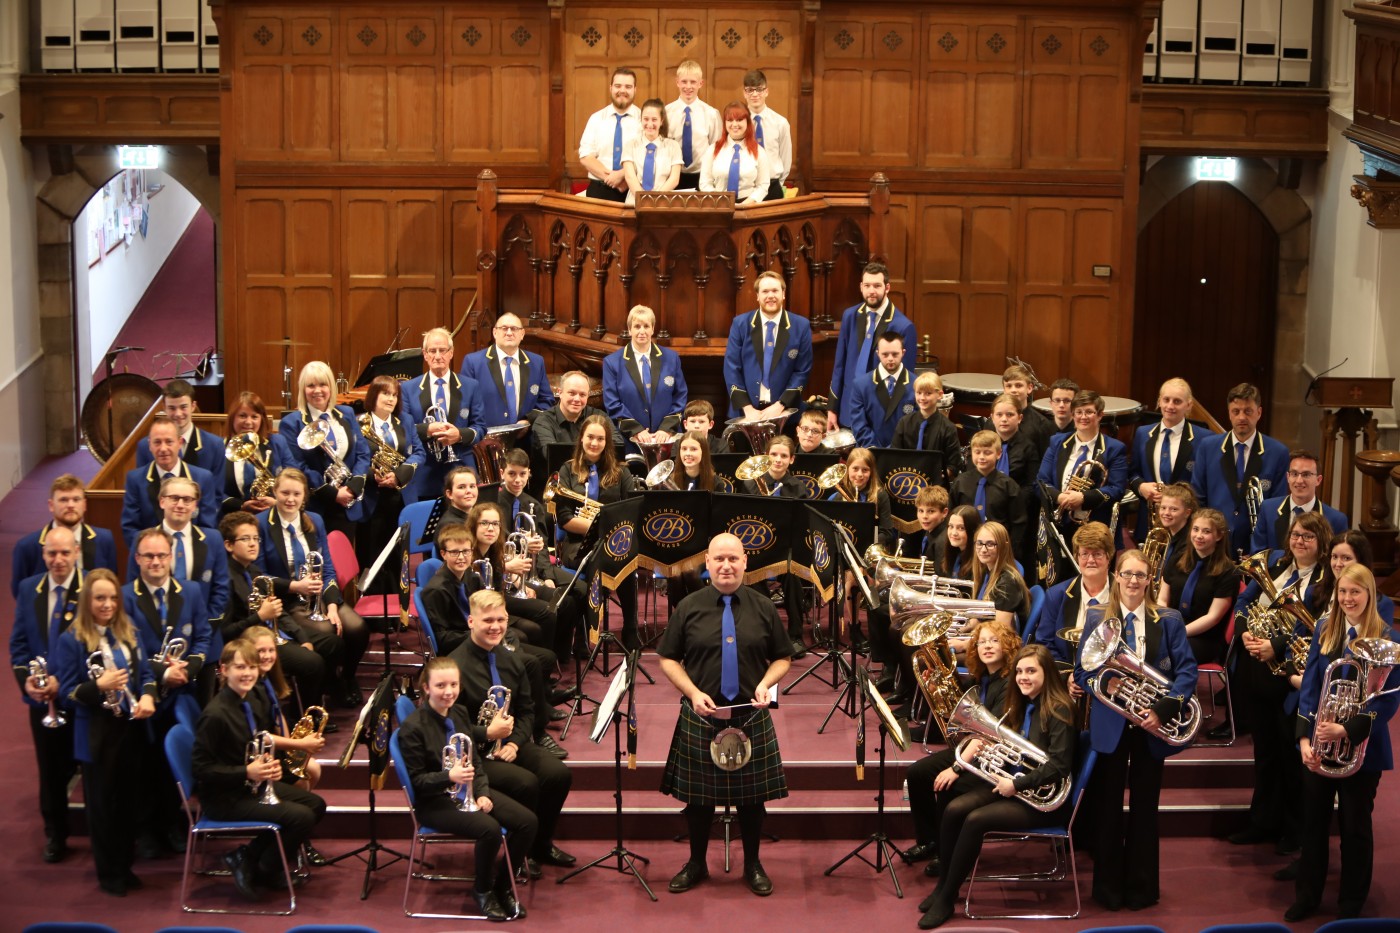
[1092,557]
[437,351]
[459,552]
[985,545]
[1132,576]
[811,430]
[1299,474]
[508,328]
[245,539]
[756,90]
[181,500]
[1301,536]
[165,556]
[487,523]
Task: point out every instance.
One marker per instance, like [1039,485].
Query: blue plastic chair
[179,749]
[403,708]
[66,926]
[426,569]
[1037,604]
[332,928]
[1249,928]
[424,836]
[1139,928]
[1061,839]
[425,572]
[187,709]
[416,515]
[198,930]
[1362,925]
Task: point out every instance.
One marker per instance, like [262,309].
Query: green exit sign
[1213,169]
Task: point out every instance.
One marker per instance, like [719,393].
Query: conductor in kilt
[723,646]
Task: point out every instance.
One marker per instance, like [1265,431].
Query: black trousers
[375,532]
[157,806]
[111,784]
[1273,806]
[1127,850]
[971,816]
[533,619]
[297,814]
[540,782]
[626,593]
[308,668]
[354,636]
[596,189]
[1356,797]
[927,805]
[485,828]
[53,752]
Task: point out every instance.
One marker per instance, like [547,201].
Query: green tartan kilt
[691,775]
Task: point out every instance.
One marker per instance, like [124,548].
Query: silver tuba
[1344,697]
[1140,685]
[497,703]
[39,670]
[1004,753]
[912,597]
[662,476]
[442,453]
[458,750]
[262,747]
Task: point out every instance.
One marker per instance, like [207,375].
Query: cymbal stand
[884,849]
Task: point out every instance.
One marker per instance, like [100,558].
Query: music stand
[849,667]
[888,725]
[624,682]
[367,579]
[369,852]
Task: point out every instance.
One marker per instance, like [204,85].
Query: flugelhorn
[100,662]
[588,509]
[1004,753]
[312,722]
[497,703]
[442,453]
[39,670]
[246,448]
[384,459]
[261,747]
[458,750]
[1103,655]
[337,475]
[1344,697]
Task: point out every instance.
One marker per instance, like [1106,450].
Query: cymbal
[286,342]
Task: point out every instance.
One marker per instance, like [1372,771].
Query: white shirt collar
[66,584]
[1247,442]
[1308,506]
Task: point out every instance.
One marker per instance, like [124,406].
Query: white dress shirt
[668,153]
[753,173]
[342,443]
[598,132]
[706,128]
[777,139]
[1092,444]
[1171,436]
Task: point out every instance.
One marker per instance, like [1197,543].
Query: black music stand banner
[725,465]
[812,553]
[807,467]
[763,524]
[904,473]
[674,530]
[616,554]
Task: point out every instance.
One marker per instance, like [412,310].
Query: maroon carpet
[176,313]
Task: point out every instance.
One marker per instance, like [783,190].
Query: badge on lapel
[535,389]
[1267,484]
[464,414]
[908,408]
[1190,466]
[187,629]
[792,354]
[207,576]
[669,381]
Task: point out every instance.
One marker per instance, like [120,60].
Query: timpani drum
[973,394]
[1120,415]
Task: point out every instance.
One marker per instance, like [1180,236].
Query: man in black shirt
[520,768]
[724,647]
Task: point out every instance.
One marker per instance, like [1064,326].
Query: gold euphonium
[1154,545]
[758,430]
[312,722]
[384,460]
[246,448]
[1344,697]
[935,670]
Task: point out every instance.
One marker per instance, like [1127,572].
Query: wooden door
[1207,274]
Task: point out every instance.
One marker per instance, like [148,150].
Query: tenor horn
[244,448]
[312,722]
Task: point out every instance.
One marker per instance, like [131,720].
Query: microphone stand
[884,849]
[626,859]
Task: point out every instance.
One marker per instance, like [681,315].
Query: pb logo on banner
[753,532]
[668,528]
[904,474]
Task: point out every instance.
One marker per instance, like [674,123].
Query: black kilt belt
[692,776]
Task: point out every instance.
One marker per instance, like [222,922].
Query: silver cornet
[100,662]
[39,670]
[261,748]
[315,563]
[458,750]
[443,453]
[497,703]
[483,570]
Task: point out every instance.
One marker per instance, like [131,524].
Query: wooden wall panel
[389,106]
[869,66]
[460,276]
[392,265]
[1077,95]
[492,59]
[971,112]
[284,112]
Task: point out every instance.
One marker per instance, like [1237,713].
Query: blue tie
[593,482]
[386,433]
[889,386]
[161,608]
[646,377]
[1240,451]
[869,343]
[1189,589]
[1083,455]
[1164,465]
[330,434]
[687,152]
[733,184]
[182,570]
[1130,632]
[777,489]
[462,602]
[274,706]
[298,553]
[1292,579]
[729,653]
[1026,720]
[495,674]
[512,409]
[758,128]
[979,501]
[1351,636]
[1004,460]
[770,339]
[617,142]
[649,168]
[441,398]
[922,428]
[248,715]
[56,620]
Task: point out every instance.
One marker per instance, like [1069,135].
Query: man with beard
[862,326]
[606,136]
[769,355]
[68,505]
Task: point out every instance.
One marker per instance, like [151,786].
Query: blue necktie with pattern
[979,501]
[1164,463]
[182,570]
[617,141]
[512,405]
[56,618]
[770,341]
[733,183]
[440,399]
[729,653]
[687,151]
[1241,452]
[758,128]
[1130,632]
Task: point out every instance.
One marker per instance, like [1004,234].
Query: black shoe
[313,857]
[1348,913]
[927,902]
[1288,872]
[149,847]
[557,715]
[1139,903]
[330,728]
[558,857]
[920,853]
[532,869]
[514,910]
[799,648]
[351,693]
[757,879]
[114,888]
[241,867]
[932,869]
[1249,837]
[691,874]
[861,645]
[55,850]
[554,748]
[1113,902]
[1219,733]
[938,913]
[560,695]
[132,882]
[1299,911]
[886,687]
[1287,845]
[489,906]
